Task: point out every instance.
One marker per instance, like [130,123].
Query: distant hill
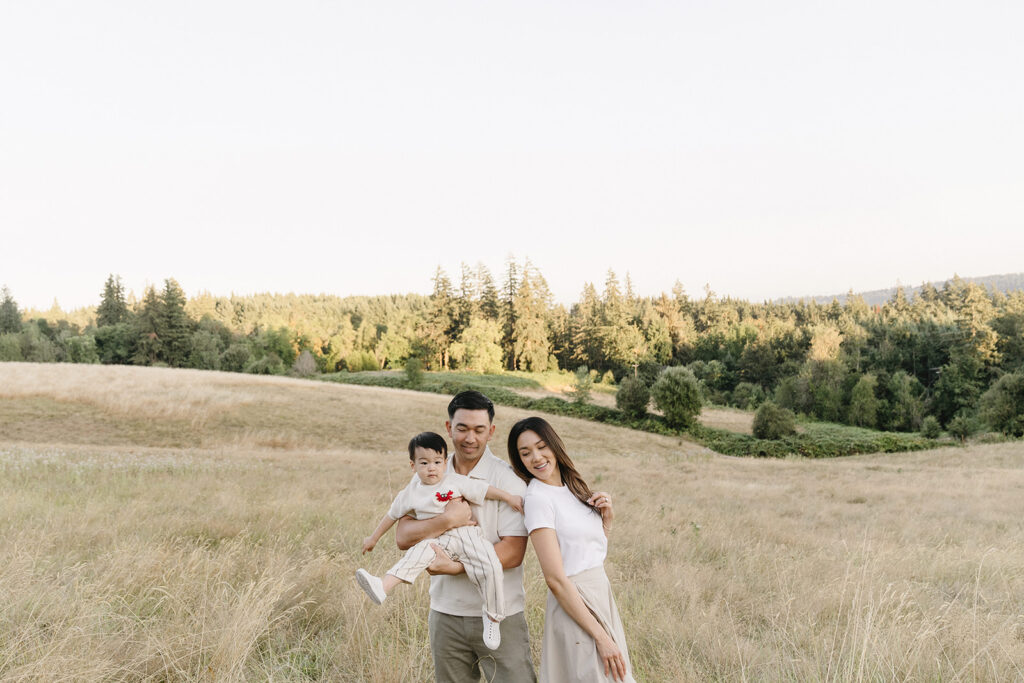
[1004,283]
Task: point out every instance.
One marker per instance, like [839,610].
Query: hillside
[184,526]
[1009,282]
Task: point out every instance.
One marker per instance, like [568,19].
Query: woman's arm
[545,544]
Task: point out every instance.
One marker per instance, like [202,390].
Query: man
[456,630]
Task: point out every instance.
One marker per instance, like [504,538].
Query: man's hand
[443,564]
[458,513]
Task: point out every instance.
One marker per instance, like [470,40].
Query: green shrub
[413,371]
[361,361]
[747,396]
[677,394]
[930,427]
[81,349]
[773,422]
[10,347]
[270,364]
[863,411]
[236,357]
[963,426]
[608,378]
[582,382]
[632,397]
[1002,405]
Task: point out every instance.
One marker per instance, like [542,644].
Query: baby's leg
[483,568]
[413,562]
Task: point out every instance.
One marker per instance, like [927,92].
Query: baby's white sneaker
[373,586]
[492,634]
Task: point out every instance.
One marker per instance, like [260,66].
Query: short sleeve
[402,505]
[540,512]
[473,490]
[510,522]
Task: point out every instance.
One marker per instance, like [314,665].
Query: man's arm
[510,551]
[411,531]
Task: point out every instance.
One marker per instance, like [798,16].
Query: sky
[767,149]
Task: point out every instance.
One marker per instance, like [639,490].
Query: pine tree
[509,291]
[490,306]
[146,323]
[436,331]
[530,334]
[585,328]
[10,317]
[174,326]
[112,309]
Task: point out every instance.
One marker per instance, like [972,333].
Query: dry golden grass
[186,526]
[731,419]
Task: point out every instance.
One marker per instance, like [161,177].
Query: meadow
[179,525]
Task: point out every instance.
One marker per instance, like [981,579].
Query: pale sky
[768,148]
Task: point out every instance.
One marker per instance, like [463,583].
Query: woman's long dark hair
[570,477]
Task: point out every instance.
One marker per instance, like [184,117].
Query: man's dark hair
[471,400]
[430,441]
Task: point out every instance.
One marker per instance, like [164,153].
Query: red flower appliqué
[444,497]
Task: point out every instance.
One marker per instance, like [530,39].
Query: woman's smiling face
[538,458]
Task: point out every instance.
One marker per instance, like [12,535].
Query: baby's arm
[385,523]
[515,502]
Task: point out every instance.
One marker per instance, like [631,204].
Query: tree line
[884,366]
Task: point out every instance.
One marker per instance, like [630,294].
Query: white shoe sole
[371,585]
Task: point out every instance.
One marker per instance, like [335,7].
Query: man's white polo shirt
[455,595]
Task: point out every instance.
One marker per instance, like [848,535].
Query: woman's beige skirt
[570,654]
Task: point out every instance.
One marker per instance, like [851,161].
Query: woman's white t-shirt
[580,533]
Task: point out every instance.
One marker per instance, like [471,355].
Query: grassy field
[174,525]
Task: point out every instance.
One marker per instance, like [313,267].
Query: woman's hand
[602,500]
[516,503]
[368,544]
[612,658]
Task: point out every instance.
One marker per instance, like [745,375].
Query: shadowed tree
[113,308]
[174,327]
[10,318]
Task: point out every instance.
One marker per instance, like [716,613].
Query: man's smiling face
[470,430]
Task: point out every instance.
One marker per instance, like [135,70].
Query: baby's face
[429,465]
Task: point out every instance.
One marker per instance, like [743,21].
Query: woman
[568,526]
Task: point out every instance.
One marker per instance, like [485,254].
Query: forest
[952,353]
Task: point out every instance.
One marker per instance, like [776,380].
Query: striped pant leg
[483,568]
[416,559]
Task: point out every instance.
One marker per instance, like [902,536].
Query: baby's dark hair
[430,441]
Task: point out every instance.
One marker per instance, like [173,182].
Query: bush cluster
[677,394]
[773,422]
[817,441]
[632,397]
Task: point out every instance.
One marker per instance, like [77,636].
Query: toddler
[425,497]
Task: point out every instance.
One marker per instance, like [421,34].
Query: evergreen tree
[113,308]
[10,317]
[585,328]
[468,301]
[490,306]
[147,325]
[509,291]
[530,334]
[437,331]
[174,327]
